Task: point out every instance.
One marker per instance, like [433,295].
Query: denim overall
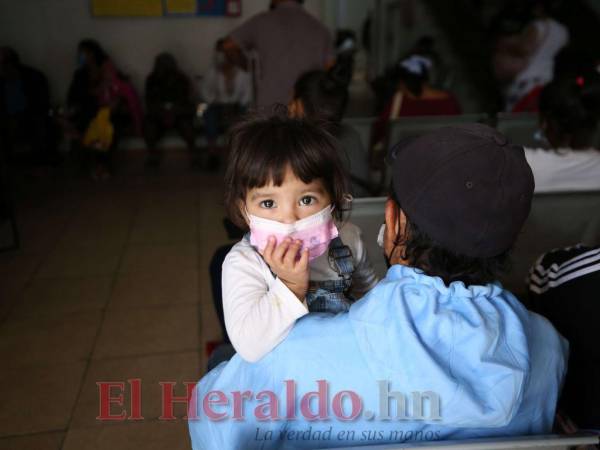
[330,295]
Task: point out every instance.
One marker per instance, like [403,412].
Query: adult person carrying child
[438,328]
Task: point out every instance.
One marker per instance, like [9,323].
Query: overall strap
[341,258]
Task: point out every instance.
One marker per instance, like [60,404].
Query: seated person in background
[386,85]
[317,94]
[25,109]
[227,89]
[414,97]
[524,61]
[438,324]
[98,92]
[569,114]
[564,286]
[169,105]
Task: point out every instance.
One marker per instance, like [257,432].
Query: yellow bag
[100,132]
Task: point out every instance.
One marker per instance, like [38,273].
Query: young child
[285,184]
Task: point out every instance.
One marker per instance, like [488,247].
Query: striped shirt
[564,286]
[563,265]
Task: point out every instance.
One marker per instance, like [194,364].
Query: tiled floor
[110,284]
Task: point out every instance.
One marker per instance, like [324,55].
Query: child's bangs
[275,151]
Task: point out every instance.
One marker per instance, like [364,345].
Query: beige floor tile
[40,399]
[18,267]
[151,370]
[183,199]
[171,287]
[40,235]
[47,341]
[79,261]
[97,236]
[156,258]
[59,296]
[147,331]
[152,435]
[44,441]
[164,228]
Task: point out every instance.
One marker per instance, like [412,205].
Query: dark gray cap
[466,186]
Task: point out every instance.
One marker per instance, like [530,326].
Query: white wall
[46,33]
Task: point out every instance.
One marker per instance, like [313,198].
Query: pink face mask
[314,231]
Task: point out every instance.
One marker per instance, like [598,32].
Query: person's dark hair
[433,259]
[570,107]
[95,49]
[412,80]
[165,63]
[321,95]
[263,146]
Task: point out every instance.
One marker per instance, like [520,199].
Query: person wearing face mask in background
[100,97]
[287,188]
[438,324]
[227,89]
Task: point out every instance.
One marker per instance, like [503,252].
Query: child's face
[292,201]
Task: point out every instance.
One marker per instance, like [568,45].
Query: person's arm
[208,86]
[245,86]
[258,314]
[364,278]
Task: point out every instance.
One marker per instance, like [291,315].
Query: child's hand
[289,264]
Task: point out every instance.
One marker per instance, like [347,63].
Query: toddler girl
[285,184]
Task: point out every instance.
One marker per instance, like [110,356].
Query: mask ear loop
[346,204]
[247,216]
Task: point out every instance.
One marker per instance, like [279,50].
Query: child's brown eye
[267,204]
[306,201]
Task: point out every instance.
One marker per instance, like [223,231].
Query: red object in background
[529,103]
[233,8]
[210,347]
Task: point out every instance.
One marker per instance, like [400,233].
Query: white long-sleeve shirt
[260,309]
[214,88]
[564,170]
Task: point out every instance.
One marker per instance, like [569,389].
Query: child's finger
[292,253]
[303,261]
[280,250]
[267,252]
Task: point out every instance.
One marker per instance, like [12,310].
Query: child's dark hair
[321,95]
[262,147]
[571,108]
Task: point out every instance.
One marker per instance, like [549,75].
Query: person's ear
[391,225]
[395,230]
[296,109]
